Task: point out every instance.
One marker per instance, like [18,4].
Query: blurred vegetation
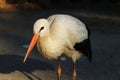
[58,3]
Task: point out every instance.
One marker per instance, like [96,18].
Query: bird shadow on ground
[10,63]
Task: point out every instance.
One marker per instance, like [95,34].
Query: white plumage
[57,35]
[60,32]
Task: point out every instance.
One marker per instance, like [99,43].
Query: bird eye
[41,29]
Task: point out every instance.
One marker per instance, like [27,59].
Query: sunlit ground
[16,31]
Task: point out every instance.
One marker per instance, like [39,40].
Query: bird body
[60,35]
[64,32]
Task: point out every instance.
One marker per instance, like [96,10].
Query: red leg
[74,72]
[59,70]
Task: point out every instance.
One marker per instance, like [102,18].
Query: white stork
[61,35]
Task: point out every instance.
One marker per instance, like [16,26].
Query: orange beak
[32,44]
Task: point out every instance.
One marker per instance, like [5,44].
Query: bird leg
[59,70]
[74,72]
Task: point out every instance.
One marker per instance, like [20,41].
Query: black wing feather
[85,47]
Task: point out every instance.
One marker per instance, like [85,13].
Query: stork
[61,35]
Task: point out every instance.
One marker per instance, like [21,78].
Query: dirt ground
[16,32]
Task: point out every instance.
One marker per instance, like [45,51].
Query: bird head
[40,29]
